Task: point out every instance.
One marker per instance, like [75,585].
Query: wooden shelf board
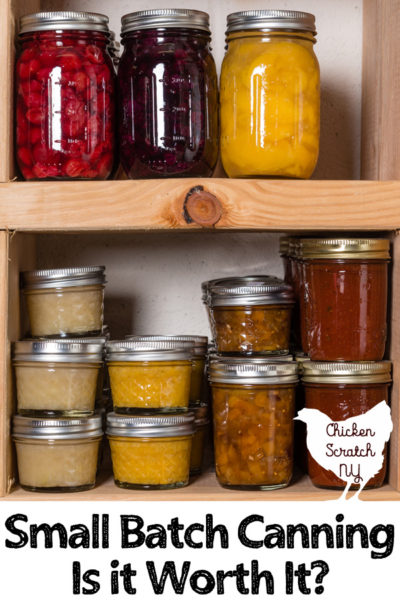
[204,488]
[274,205]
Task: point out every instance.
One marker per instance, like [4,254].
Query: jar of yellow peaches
[150,452]
[65,302]
[149,377]
[253,411]
[57,378]
[201,426]
[57,455]
[250,315]
[270,95]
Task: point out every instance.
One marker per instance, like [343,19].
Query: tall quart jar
[65,90]
[253,410]
[270,95]
[168,94]
[342,391]
[343,299]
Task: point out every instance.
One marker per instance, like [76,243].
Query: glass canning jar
[57,378]
[250,315]
[65,302]
[344,297]
[201,428]
[342,391]
[270,95]
[57,455]
[149,377]
[168,94]
[150,452]
[253,410]
[65,95]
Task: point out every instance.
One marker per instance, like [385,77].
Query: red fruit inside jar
[65,113]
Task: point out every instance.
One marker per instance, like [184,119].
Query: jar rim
[61,428]
[59,351]
[271,19]
[160,18]
[157,350]
[156,426]
[196,343]
[352,248]
[247,371]
[63,20]
[347,372]
[59,278]
[247,290]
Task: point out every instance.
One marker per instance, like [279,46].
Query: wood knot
[202,207]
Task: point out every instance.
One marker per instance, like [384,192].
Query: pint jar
[65,302]
[65,94]
[270,95]
[253,410]
[57,455]
[168,94]
[342,391]
[344,298]
[149,377]
[201,427]
[56,378]
[150,452]
[250,315]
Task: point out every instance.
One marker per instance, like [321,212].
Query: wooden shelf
[274,205]
[204,488]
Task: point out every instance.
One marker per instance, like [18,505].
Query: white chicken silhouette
[357,470]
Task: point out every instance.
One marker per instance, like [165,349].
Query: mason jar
[201,428]
[270,95]
[250,315]
[342,390]
[253,411]
[65,302]
[168,95]
[344,298]
[57,378]
[149,377]
[57,455]
[65,97]
[151,452]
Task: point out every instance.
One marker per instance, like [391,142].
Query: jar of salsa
[342,391]
[270,95]
[168,93]
[250,315]
[65,95]
[253,410]
[344,298]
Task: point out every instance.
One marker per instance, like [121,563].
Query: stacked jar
[156,385]
[56,431]
[342,289]
[253,379]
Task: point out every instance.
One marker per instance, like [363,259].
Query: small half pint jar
[65,302]
[57,378]
[253,410]
[150,452]
[57,455]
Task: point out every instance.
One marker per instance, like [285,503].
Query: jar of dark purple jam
[168,94]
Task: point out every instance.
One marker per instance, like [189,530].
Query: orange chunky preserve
[253,410]
[150,452]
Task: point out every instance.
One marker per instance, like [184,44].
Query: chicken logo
[352,449]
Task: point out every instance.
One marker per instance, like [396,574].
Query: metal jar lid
[284,245]
[61,278]
[286,20]
[157,426]
[132,351]
[160,18]
[57,429]
[62,351]
[347,372]
[196,343]
[63,20]
[255,371]
[351,248]
[251,290]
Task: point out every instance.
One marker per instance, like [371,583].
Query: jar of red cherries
[65,93]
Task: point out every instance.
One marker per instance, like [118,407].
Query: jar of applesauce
[253,410]
[343,298]
[149,377]
[65,302]
[150,452]
[343,390]
[270,95]
[57,455]
[250,315]
[57,378]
